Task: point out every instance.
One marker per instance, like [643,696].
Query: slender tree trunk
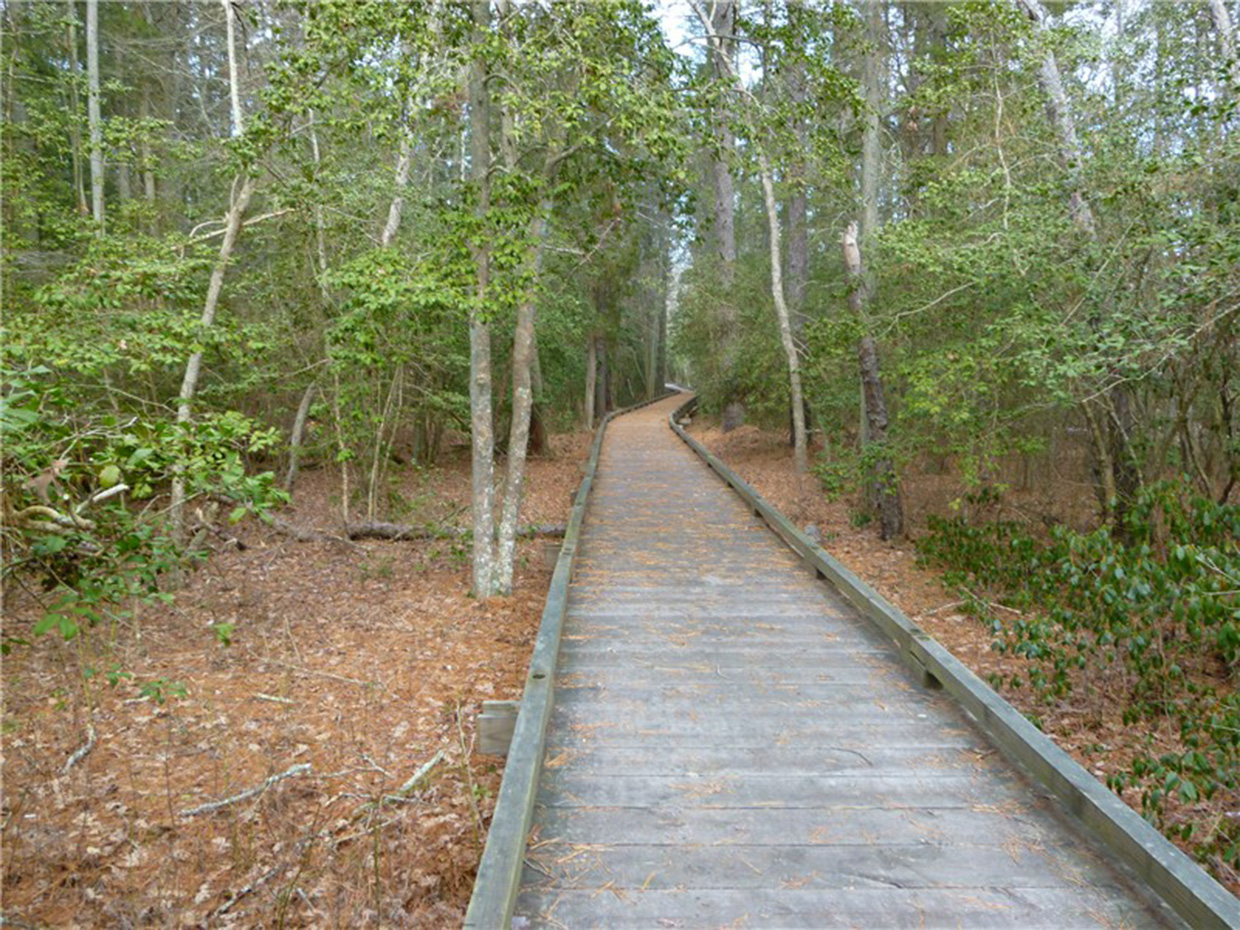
[396,208]
[243,190]
[234,73]
[148,159]
[297,434]
[652,351]
[800,453]
[798,227]
[299,422]
[1060,115]
[591,380]
[873,86]
[1120,486]
[938,32]
[124,190]
[884,493]
[523,351]
[602,381]
[94,117]
[481,420]
[728,68]
[722,26]
[75,127]
[189,384]
[1227,43]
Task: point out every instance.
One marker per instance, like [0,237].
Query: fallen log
[380,530]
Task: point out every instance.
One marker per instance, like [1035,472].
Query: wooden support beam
[495,726]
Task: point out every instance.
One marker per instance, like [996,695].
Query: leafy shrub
[1157,614]
[81,487]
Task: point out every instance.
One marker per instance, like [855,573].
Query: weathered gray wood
[882,791]
[496,724]
[861,865]
[1156,862]
[824,826]
[788,760]
[712,694]
[1011,906]
[499,873]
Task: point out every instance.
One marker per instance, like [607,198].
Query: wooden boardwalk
[732,745]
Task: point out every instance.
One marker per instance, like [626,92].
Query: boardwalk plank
[731,743]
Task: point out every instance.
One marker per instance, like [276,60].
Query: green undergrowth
[1148,615]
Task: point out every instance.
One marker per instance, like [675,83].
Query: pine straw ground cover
[351,667]
[1088,723]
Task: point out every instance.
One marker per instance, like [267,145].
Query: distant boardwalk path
[732,745]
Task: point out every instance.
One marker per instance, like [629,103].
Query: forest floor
[1089,722]
[362,661]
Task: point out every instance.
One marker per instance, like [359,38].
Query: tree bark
[602,380]
[234,74]
[523,350]
[94,117]
[1227,43]
[403,162]
[295,436]
[800,450]
[148,159]
[591,380]
[1060,115]
[236,213]
[884,491]
[75,127]
[872,84]
[480,376]
[189,384]
[721,25]
[798,225]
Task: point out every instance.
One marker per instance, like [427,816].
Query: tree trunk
[1060,115]
[75,127]
[873,86]
[94,117]
[722,27]
[1227,43]
[1120,486]
[481,421]
[295,436]
[189,384]
[800,451]
[798,232]
[538,425]
[396,208]
[885,488]
[124,190]
[602,382]
[236,213]
[652,352]
[591,381]
[234,73]
[886,485]
[523,350]
[148,159]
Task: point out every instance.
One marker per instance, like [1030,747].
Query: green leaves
[1157,615]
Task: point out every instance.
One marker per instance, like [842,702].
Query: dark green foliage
[1156,615]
